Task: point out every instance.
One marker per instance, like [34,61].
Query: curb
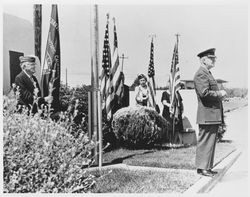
[206,184]
[107,167]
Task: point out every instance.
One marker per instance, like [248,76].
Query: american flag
[117,73]
[174,80]
[151,74]
[51,66]
[106,83]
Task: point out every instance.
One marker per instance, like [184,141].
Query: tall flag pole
[151,73]
[94,101]
[37,16]
[51,71]
[174,83]
[105,74]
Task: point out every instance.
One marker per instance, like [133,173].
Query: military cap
[209,52]
[27,59]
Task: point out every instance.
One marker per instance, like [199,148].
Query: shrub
[41,155]
[139,127]
[68,98]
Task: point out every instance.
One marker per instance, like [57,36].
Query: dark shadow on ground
[153,149]
[225,141]
[120,159]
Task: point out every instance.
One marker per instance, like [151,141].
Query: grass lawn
[181,158]
[177,175]
[137,181]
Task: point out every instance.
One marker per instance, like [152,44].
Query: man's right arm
[202,87]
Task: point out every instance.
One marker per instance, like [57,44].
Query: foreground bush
[41,155]
[139,127]
[76,100]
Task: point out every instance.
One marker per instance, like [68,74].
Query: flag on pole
[174,82]
[117,75]
[51,71]
[106,83]
[37,14]
[151,74]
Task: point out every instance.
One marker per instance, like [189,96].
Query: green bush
[139,127]
[41,155]
[236,92]
[68,98]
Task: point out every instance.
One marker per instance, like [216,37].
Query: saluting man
[209,114]
[28,84]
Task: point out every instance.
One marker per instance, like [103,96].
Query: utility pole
[123,57]
[66,79]
[94,98]
[152,36]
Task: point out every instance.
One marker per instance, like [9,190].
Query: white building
[18,39]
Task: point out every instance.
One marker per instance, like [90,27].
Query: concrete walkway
[235,181]
[232,178]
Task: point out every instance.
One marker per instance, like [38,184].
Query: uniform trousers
[206,146]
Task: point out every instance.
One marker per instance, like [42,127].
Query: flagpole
[66,79]
[95,108]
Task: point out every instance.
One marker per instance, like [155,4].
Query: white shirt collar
[204,66]
[27,74]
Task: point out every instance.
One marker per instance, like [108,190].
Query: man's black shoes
[213,172]
[203,172]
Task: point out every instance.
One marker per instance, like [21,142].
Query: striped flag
[106,83]
[151,74]
[117,75]
[50,80]
[174,80]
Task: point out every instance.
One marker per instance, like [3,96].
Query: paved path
[235,181]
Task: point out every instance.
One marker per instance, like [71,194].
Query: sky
[222,26]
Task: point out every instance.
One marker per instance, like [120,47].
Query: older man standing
[28,84]
[209,114]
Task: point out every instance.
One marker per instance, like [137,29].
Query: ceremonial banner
[51,72]
[38,29]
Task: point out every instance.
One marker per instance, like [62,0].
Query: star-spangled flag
[116,76]
[151,74]
[51,72]
[174,80]
[106,86]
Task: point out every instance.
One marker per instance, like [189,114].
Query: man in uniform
[209,114]
[28,84]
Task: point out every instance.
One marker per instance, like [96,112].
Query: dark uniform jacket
[209,98]
[26,88]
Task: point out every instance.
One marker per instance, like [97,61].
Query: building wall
[18,35]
